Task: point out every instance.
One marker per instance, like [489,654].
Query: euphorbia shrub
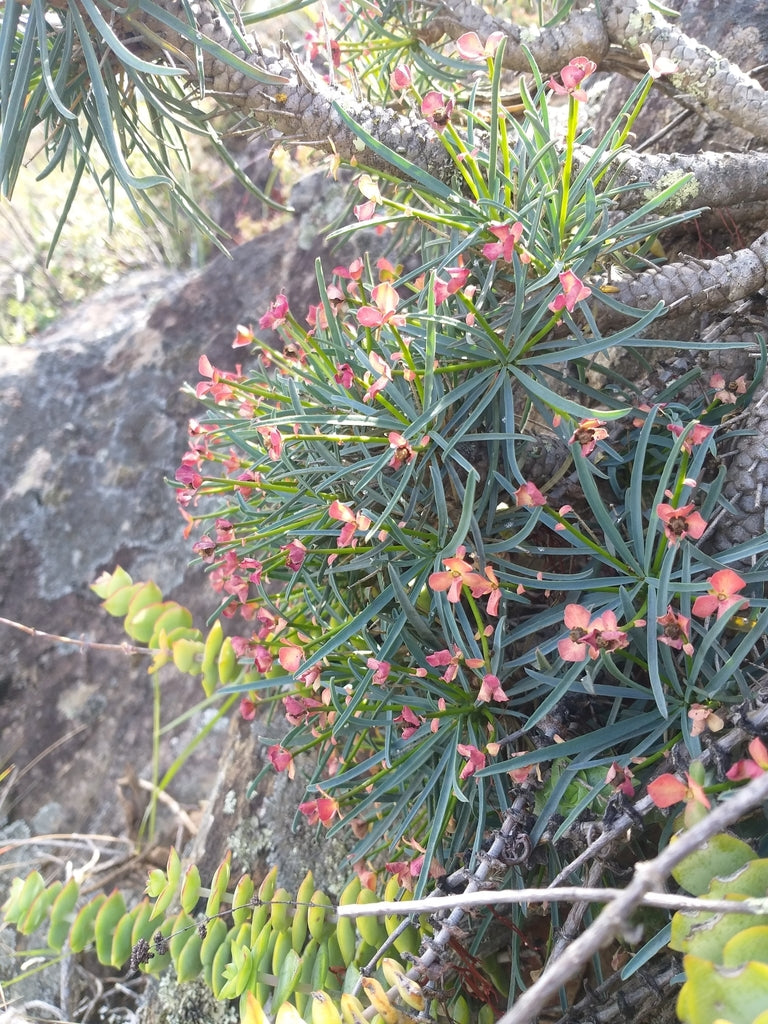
[427,593]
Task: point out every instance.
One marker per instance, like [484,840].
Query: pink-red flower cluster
[457,278]
[352,523]
[587,434]
[508,238]
[276,314]
[436,109]
[475,759]
[528,495]
[470,47]
[590,635]
[728,393]
[385,300]
[574,290]
[404,452]
[321,811]
[666,790]
[750,769]
[696,435]
[681,522]
[677,631]
[459,573]
[573,74]
[725,585]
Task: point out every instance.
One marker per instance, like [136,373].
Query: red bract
[528,494]
[587,434]
[206,548]
[380,670]
[508,236]
[411,721]
[295,553]
[657,66]
[470,47]
[344,375]
[244,336]
[352,523]
[247,709]
[282,760]
[727,393]
[401,78]
[573,74]
[620,779]
[573,647]
[320,811]
[353,272]
[725,585]
[436,109]
[458,572]
[386,300]
[492,690]
[404,453]
[604,635]
[574,290]
[750,769]
[681,522]
[677,630]
[475,759]
[494,599]
[698,434]
[219,387]
[276,314]
[703,719]
[457,279]
[666,790]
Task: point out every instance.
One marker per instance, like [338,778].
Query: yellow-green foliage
[166,628]
[265,947]
[725,955]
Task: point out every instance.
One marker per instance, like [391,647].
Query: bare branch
[580,34]
[123,648]
[570,894]
[704,75]
[648,875]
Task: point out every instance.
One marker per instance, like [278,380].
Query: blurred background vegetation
[98,244]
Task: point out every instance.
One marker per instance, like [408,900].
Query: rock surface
[92,422]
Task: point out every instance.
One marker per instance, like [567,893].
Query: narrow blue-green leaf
[123,54]
[289,7]
[14,97]
[339,637]
[209,45]
[602,513]
[38,12]
[596,741]
[445,770]
[564,405]
[647,951]
[636,519]
[433,185]
[105,113]
[734,660]
[652,648]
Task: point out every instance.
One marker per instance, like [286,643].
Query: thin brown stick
[93,645]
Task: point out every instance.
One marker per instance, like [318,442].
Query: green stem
[570,139]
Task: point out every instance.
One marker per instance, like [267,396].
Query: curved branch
[704,75]
[580,34]
[694,285]
[719,179]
